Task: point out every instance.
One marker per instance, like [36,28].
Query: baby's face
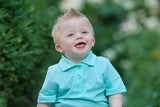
[74,38]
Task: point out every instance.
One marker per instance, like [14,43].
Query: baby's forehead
[80,21]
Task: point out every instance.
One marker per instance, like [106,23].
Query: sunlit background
[126,31]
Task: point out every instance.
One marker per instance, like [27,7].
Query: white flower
[126,64]
[128,4]
[152,3]
[130,26]
[68,4]
[152,23]
[153,6]
[110,54]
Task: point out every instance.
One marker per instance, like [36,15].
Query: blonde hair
[72,13]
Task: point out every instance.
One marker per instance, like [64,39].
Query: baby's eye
[84,32]
[70,35]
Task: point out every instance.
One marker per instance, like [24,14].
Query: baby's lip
[80,44]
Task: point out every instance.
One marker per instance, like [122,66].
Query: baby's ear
[93,41]
[58,48]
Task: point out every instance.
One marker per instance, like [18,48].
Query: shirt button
[79,76]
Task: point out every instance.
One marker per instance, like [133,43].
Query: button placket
[78,79]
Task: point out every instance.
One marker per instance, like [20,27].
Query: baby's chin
[82,54]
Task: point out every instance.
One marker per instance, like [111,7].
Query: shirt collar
[66,64]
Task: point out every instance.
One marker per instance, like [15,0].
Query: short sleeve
[49,89]
[112,80]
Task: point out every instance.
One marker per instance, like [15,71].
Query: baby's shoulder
[101,59]
[54,68]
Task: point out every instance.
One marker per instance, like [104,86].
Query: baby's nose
[79,36]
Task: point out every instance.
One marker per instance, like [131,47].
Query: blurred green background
[126,31]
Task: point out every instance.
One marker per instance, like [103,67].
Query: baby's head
[73,35]
[72,13]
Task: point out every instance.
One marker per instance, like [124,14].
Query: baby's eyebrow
[70,31]
[84,28]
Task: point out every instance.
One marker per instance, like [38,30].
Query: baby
[80,78]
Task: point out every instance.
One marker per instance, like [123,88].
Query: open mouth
[80,45]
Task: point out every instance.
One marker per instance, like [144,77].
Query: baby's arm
[43,105]
[115,100]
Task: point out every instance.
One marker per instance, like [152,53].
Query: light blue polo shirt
[86,84]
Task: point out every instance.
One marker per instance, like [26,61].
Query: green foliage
[24,33]
[144,54]
[130,29]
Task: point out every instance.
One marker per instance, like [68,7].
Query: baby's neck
[75,60]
